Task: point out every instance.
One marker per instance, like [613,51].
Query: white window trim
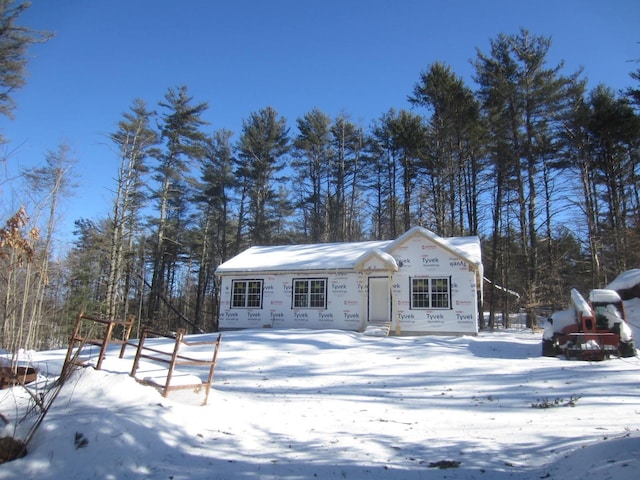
[429,293]
[308,293]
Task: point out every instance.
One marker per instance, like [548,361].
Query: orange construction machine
[591,330]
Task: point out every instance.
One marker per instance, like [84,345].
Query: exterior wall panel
[343,310]
[422,259]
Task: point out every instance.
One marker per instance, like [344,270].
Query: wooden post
[179,336]
[127,333]
[138,352]
[74,337]
[212,369]
[105,344]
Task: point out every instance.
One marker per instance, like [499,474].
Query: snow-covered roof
[339,256]
[388,262]
[466,248]
[601,295]
[625,280]
[318,256]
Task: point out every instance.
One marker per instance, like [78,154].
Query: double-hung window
[310,293]
[246,294]
[429,292]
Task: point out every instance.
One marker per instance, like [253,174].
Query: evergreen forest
[542,169]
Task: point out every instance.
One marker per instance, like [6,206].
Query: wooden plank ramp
[378,329]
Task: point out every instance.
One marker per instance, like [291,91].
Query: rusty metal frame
[81,338]
[175,359]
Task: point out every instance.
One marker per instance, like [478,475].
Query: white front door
[379,305]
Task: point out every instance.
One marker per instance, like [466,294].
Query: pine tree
[183,145]
[453,163]
[312,155]
[634,93]
[383,181]
[409,136]
[614,132]
[347,170]
[14,42]
[134,140]
[213,227]
[523,100]
[262,147]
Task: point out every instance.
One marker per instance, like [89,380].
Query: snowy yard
[331,404]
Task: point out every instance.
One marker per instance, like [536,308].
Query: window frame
[247,294]
[431,297]
[309,294]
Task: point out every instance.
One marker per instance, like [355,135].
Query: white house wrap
[419,283]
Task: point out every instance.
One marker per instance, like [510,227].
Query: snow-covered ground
[331,404]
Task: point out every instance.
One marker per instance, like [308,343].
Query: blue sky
[360,57]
